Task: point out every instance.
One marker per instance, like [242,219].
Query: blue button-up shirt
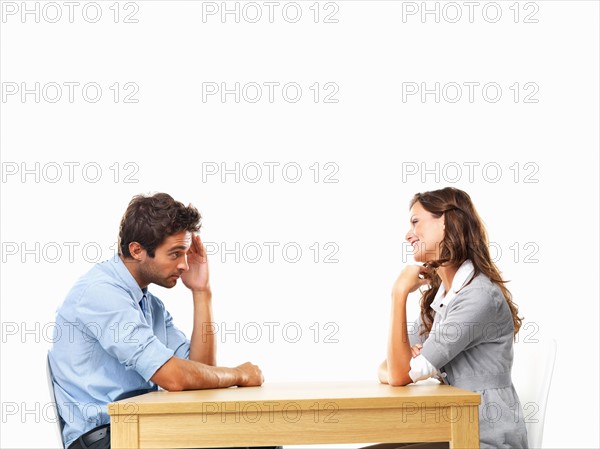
[110,338]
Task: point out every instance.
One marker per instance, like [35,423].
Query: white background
[541,209]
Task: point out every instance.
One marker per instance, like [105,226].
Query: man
[114,339]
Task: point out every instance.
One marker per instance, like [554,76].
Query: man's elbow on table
[170,375]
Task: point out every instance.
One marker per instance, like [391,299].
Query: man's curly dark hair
[149,220]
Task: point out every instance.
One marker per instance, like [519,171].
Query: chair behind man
[59,420]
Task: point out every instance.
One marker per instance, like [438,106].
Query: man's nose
[183,265]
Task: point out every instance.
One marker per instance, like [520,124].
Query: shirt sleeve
[471,313]
[421,369]
[107,314]
[176,340]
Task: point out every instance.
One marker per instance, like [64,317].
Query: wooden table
[297,413]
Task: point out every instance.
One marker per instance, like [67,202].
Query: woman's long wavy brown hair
[465,237]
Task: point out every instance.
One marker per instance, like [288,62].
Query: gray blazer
[471,345]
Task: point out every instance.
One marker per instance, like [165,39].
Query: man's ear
[137,251]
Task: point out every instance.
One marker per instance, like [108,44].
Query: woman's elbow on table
[399,380]
[393,377]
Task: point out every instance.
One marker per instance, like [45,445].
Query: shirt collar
[463,274]
[127,278]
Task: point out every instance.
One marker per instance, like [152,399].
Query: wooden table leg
[464,427]
[124,432]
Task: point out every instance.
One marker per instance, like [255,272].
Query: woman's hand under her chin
[410,279]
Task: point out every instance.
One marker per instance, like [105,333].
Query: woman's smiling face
[426,233]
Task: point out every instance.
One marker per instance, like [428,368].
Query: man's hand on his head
[196,278]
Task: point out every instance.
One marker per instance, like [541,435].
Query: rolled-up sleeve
[176,340]
[421,369]
[107,313]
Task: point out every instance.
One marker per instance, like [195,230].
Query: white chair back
[532,375]
[59,420]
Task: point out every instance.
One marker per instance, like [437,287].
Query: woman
[464,335]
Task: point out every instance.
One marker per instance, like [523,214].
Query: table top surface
[350,395]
